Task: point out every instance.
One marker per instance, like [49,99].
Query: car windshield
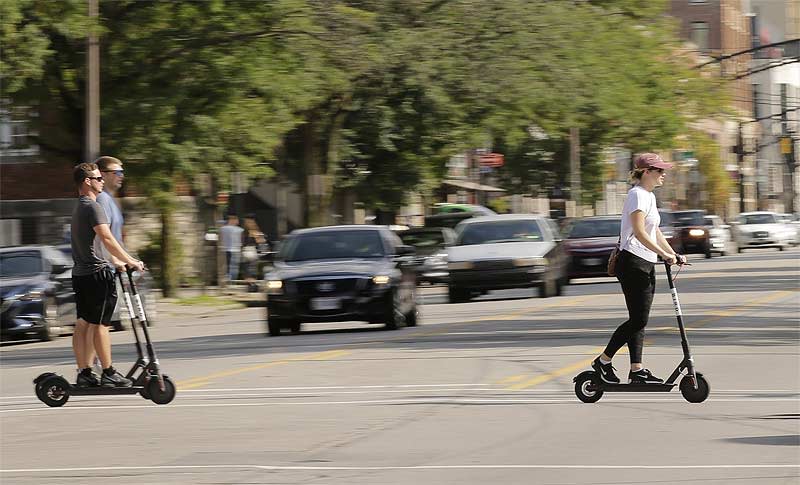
[333,245]
[666,219]
[500,232]
[692,218]
[20,264]
[758,219]
[709,221]
[425,242]
[595,228]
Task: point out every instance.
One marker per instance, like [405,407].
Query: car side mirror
[405,250]
[57,269]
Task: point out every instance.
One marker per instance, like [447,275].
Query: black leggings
[638,279]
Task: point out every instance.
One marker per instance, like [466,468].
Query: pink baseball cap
[651,160]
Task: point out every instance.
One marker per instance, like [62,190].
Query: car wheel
[295,327]
[392,315]
[781,247]
[457,295]
[412,317]
[274,327]
[708,253]
[739,249]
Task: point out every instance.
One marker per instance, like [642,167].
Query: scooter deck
[101,391]
[605,387]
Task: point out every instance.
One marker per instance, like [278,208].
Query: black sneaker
[87,379]
[643,376]
[112,378]
[606,371]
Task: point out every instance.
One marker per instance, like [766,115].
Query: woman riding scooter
[641,243]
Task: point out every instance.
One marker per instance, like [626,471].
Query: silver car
[503,252]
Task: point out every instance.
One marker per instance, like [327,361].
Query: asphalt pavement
[478,393]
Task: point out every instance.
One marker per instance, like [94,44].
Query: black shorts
[95,296]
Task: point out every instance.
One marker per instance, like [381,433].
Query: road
[479,393]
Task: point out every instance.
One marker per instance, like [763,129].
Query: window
[17,138]
[698,34]
[697,2]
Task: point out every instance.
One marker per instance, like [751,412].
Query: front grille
[761,234]
[327,287]
[492,265]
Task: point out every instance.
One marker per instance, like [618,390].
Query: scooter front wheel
[157,395]
[587,387]
[695,395]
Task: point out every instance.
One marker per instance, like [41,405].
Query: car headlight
[697,232]
[530,262]
[380,279]
[460,265]
[274,287]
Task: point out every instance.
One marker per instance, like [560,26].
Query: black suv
[341,273]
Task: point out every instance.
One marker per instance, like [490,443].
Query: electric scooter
[589,387]
[148,381]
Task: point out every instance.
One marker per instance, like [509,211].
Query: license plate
[592,261]
[320,304]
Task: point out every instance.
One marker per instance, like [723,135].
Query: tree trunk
[169,253]
[317,211]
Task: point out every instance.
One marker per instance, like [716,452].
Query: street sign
[786,145]
[492,160]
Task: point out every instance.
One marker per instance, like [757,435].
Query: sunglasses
[99,179]
[118,173]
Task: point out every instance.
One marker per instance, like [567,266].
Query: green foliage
[716,181]
[373,96]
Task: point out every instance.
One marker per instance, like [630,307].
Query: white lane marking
[421,401]
[404,467]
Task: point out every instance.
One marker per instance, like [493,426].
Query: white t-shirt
[639,199]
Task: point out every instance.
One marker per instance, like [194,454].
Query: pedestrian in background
[253,240]
[641,243]
[231,239]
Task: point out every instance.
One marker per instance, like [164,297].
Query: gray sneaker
[87,379]
[114,379]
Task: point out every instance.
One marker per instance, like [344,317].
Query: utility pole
[92,121]
[740,161]
[575,167]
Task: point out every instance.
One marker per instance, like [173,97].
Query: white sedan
[761,230]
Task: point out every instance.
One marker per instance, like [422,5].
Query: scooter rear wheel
[53,391]
[587,388]
[157,395]
[695,395]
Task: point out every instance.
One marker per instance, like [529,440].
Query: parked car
[670,232]
[589,242]
[341,273]
[719,234]
[35,292]
[506,251]
[430,246]
[760,230]
[691,226]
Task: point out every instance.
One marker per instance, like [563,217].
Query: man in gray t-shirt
[93,281]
